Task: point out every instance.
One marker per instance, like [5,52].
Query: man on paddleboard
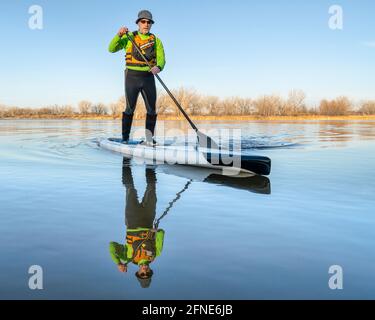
[139,78]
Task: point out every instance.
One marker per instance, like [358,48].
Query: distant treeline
[196,104]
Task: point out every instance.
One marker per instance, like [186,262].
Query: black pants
[140,82]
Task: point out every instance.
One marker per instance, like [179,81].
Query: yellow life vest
[143,244]
[148,48]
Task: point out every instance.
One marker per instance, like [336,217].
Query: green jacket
[124,253]
[118,44]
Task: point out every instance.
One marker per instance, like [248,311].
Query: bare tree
[229,106]
[99,109]
[337,107]
[368,107]
[84,107]
[295,104]
[244,106]
[192,102]
[188,99]
[247,106]
[55,109]
[210,105]
[198,104]
[67,110]
[164,105]
[118,107]
[268,105]
[2,111]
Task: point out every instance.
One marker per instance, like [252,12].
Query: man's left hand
[155,70]
[122,267]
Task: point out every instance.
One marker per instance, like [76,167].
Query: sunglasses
[146,21]
[145,274]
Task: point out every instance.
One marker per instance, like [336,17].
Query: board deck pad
[138,142]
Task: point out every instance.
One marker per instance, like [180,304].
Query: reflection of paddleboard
[242,181]
[230,162]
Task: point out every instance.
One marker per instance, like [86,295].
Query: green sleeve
[118,43]
[160,54]
[159,242]
[116,251]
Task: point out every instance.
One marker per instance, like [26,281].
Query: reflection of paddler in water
[144,239]
[144,242]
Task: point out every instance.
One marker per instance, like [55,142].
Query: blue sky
[219,47]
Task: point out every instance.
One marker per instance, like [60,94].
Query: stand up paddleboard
[230,163]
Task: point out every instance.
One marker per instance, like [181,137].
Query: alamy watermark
[36,17]
[336,20]
[228,158]
[336,281]
[36,279]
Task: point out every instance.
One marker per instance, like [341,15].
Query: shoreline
[202,118]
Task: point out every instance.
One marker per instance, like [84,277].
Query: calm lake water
[63,200]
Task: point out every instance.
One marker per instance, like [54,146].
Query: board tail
[257,164]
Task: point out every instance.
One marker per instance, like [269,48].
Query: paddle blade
[205,141]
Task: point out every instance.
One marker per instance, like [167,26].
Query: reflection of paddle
[256,184]
[170,205]
[204,141]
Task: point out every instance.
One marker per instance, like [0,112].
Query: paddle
[204,141]
[170,205]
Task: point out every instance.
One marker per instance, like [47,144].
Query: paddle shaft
[170,205]
[163,84]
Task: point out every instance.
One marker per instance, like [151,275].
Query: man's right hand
[122,31]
